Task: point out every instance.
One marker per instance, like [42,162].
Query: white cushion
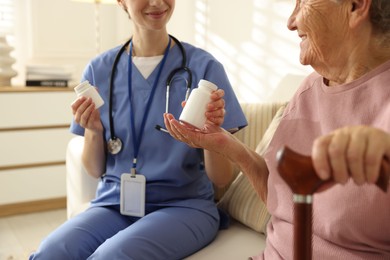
[236,242]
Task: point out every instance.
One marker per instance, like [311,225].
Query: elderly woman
[341,116]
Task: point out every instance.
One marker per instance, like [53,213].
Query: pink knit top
[349,221]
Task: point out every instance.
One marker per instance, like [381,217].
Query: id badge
[133,195]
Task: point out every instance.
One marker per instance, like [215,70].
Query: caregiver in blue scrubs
[175,215]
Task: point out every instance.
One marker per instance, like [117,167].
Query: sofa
[246,234]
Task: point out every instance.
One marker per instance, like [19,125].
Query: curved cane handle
[298,172]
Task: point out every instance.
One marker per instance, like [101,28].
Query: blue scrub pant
[103,233]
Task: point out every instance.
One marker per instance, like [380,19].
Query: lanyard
[137,142]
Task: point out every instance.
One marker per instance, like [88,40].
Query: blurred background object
[6,32]
[97,17]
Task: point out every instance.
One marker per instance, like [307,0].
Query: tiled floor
[21,234]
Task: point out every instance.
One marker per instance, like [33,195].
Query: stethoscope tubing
[168,83]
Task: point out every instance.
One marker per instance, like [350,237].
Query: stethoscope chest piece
[114,146]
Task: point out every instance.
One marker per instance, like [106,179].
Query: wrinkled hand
[212,137]
[351,152]
[85,114]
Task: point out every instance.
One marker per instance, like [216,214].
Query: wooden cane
[298,172]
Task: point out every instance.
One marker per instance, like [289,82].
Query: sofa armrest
[80,187]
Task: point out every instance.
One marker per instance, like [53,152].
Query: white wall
[249,37]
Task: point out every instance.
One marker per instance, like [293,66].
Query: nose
[291,22]
[155,2]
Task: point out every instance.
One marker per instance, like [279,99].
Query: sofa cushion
[236,242]
[241,200]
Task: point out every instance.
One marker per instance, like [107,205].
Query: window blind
[7,17]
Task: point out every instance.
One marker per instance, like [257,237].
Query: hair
[380,15]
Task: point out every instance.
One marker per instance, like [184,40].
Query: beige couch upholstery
[245,237]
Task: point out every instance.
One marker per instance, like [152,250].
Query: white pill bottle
[84,89]
[194,111]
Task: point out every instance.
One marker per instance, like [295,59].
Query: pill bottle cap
[209,85]
[82,87]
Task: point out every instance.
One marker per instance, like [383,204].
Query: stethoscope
[114,144]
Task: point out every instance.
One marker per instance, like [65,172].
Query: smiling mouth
[156,13]
[303,37]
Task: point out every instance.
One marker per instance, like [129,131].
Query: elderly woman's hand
[208,138]
[351,152]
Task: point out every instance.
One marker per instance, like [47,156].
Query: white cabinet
[34,132]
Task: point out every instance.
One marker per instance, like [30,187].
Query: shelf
[34,89]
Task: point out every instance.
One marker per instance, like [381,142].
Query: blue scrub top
[174,172]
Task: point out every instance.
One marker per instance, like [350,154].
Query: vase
[6,61]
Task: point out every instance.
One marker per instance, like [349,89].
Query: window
[6,17]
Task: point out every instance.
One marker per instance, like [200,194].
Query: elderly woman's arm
[251,164]
[218,141]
